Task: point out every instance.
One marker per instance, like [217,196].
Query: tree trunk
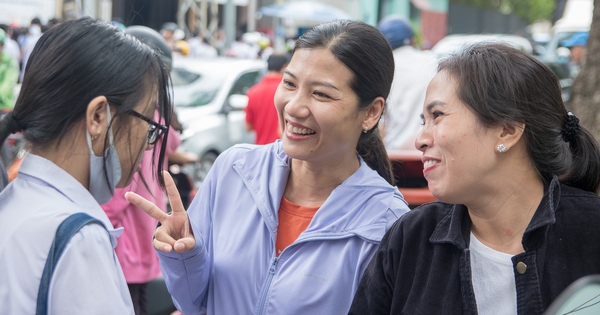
[585,95]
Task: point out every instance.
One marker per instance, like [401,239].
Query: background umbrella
[305,10]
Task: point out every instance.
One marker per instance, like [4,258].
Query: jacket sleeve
[88,278]
[187,274]
[375,291]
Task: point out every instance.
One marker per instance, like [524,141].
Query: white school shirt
[88,278]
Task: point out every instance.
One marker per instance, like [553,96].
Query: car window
[245,82]
[193,89]
[181,76]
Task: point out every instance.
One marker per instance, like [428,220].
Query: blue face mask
[100,189]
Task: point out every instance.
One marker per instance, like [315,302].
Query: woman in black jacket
[516,176]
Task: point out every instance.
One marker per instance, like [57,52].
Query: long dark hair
[77,61]
[503,85]
[364,50]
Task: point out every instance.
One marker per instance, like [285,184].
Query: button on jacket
[423,263]
[233,268]
[88,278]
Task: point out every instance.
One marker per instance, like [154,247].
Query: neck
[502,221]
[72,155]
[310,184]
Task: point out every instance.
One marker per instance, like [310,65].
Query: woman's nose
[423,140]
[296,105]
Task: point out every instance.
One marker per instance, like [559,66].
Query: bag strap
[69,227]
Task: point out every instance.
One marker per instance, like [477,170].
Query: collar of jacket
[455,227]
[358,206]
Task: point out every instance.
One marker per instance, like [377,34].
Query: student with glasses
[87,109]
[155,130]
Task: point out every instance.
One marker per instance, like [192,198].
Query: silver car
[209,98]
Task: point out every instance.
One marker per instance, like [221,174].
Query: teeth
[300,131]
[429,163]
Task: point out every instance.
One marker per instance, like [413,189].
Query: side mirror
[582,297]
[563,53]
[539,50]
[237,101]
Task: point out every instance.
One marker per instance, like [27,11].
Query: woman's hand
[175,231]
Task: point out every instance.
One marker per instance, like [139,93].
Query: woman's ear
[96,120]
[373,113]
[510,135]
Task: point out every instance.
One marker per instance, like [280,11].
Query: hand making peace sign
[175,231]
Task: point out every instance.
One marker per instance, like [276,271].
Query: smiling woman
[516,176]
[84,83]
[288,227]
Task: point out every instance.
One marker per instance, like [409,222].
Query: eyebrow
[318,83]
[431,105]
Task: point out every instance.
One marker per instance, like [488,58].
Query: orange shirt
[293,220]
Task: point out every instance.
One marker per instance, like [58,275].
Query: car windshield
[453,43]
[192,89]
[181,77]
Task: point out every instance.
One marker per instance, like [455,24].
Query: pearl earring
[96,136]
[501,148]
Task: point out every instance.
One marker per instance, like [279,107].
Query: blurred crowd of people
[16,44]
[249,45]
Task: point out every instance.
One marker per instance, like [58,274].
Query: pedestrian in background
[413,71]
[33,35]
[577,46]
[9,75]
[261,114]
[201,48]
[516,176]
[10,45]
[85,110]
[288,227]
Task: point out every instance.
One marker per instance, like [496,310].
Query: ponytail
[4,130]
[584,172]
[372,150]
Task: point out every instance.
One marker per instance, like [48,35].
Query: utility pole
[251,19]
[229,23]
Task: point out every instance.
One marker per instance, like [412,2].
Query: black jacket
[423,263]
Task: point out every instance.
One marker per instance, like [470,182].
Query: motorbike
[12,153]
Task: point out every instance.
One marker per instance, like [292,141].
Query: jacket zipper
[273,267]
[263,299]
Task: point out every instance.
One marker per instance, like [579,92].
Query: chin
[439,194]
[291,150]
[125,181]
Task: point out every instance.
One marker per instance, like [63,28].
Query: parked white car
[209,98]
[453,43]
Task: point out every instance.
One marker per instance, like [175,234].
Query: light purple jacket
[233,268]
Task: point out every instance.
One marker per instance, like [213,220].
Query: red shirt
[261,112]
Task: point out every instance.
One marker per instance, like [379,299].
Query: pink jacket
[134,250]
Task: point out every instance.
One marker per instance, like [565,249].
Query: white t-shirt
[413,71]
[493,280]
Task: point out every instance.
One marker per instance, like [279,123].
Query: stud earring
[501,148]
[96,136]
[365,131]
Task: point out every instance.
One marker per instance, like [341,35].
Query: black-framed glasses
[155,130]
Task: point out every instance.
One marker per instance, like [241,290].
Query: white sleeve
[88,278]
